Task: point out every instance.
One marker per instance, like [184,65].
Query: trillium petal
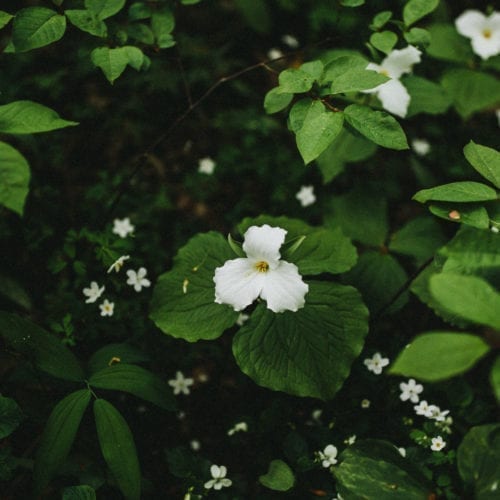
[264,242]
[485,47]
[215,471]
[238,283]
[394,97]
[399,62]
[284,289]
[470,23]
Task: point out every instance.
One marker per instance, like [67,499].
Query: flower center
[262,266]
[384,72]
[487,33]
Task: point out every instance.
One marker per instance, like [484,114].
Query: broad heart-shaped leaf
[10,416]
[378,126]
[448,45]
[58,436]
[436,356]
[308,352]
[418,37]
[14,178]
[35,27]
[485,160]
[104,8]
[46,351]
[319,129]
[279,477]
[276,101]
[417,9]
[87,21]
[322,251]
[28,117]
[183,303]
[134,380]
[478,461]
[470,214]
[469,297]
[82,492]
[106,355]
[426,96]
[375,469]
[495,378]
[118,448]
[114,61]
[384,41]
[466,191]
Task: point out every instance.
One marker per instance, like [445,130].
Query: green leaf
[448,45]
[141,33]
[457,192]
[183,303]
[162,24]
[104,8]
[46,351]
[470,90]
[415,10]
[378,126]
[5,18]
[28,117]
[381,19]
[357,79]
[279,477]
[495,378]
[295,81]
[426,96]
[118,448]
[87,21]
[82,492]
[58,436]
[384,41]
[134,380]
[375,469]
[126,353]
[14,178]
[352,3]
[436,356]
[319,129]
[308,352]
[35,27]
[470,214]
[298,113]
[13,290]
[485,160]
[114,61]
[138,11]
[341,65]
[418,36]
[469,297]
[276,101]
[478,460]
[10,416]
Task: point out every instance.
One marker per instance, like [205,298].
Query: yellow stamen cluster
[262,266]
[487,33]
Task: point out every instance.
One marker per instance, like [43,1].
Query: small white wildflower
[274,53]
[242,318]
[376,363]
[219,478]
[239,427]
[422,408]
[195,445]
[180,384]
[484,32]
[350,440]
[437,443]
[435,413]
[290,40]
[365,404]
[328,456]
[402,452]
[316,414]
[410,390]
[107,308]
[118,264]
[123,227]
[494,229]
[306,195]
[137,279]
[206,166]
[421,147]
[93,292]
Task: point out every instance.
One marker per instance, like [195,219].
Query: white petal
[141,272]
[264,242]
[215,471]
[222,471]
[238,283]
[485,47]
[374,67]
[284,289]
[209,484]
[394,97]
[226,482]
[470,23]
[145,282]
[401,61]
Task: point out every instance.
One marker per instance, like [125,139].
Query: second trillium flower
[261,274]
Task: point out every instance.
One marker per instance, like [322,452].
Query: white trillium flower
[410,390]
[180,384]
[118,264]
[93,292]
[261,274]
[206,166]
[328,456]
[437,443]
[376,363]
[484,32]
[421,147]
[393,94]
[306,195]
[123,227]
[219,480]
[107,308]
[138,279]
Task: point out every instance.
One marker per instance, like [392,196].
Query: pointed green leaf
[35,27]
[436,356]
[356,80]
[10,416]
[134,380]
[58,436]
[308,352]
[279,477]
[106,355]
[466,191]
[82,492]
[14,178]
[415,10]
[114,61]
[298,113]
[470,214]
[485,160]
[384,41]
[276,101]
[103,9]
[341,65]
[352,3]
[5,18]
[418,37]
[118,448]
[295,81]
[28,117]
[87,21]
[162,24]
[381,19]
[378,126]
[448,45]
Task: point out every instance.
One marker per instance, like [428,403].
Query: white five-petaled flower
[421,147]
[93,292]
[180,384]
[306,195]
[206,166]
[422,408]
[261,274]
[410,390]
[123,227]
[435,413]
[239,427]
[483,31]
[393,93]
[350,440]
[107,308]
[437,443]
[137,279]
[219,480]
[376,363]
[328,456]
[118,264]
